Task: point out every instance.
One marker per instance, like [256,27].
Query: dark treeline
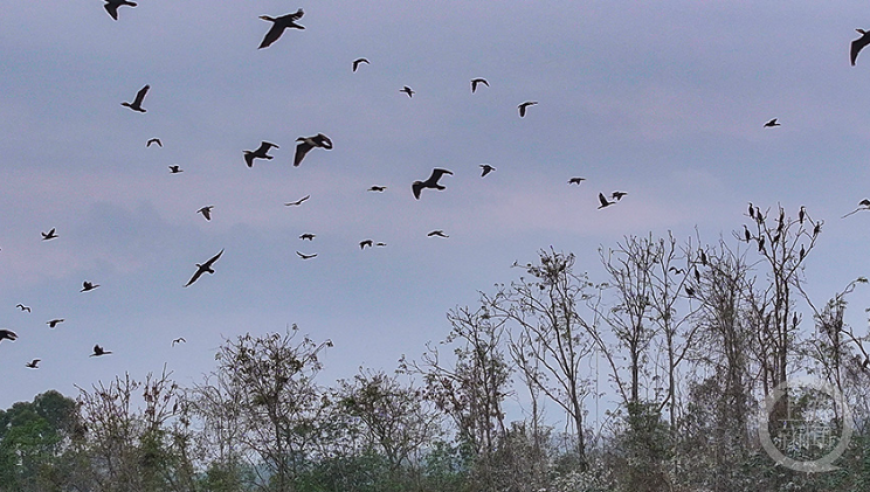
[689,338]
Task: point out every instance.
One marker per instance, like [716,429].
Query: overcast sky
[662,100]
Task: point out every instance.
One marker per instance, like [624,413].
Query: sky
[663,100]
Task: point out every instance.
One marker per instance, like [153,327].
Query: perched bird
[407,90]
[111,6]
[175,169]
[603,200]
[179,340]
[357,62]
[136,105]
[486,169]
[154,141]
[49,235]
[751,210]
[307,143]
[431,182]
[437,232]
[617,195]
[576,181]
[33,364]
[278,26]
[476,81]
[802,214]
[86,286]
[204,268]
[307,236]
[7,335]
[862,205]
[746,234]
[52,323]
[297,202]
[525,105]
[306,257]
[859,44]
[206,211]
[23,307]
[367,242]
[378,189]
[772,123]
[260,153]
[98,351]
[690,291]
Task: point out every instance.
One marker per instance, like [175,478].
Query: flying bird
[175,169]
[576,181]
[297,202]
[476,81]
[407,90]
[136,105]
[378,189]
[111,6]
[525,105]
[772,123]
[98,351]
[617,195]
[179,340]
[308,143]
[154,141]
[859,44]
[34,364]
[7,335]
[437,232]
[86,286]
[204,268]
[367,242]
[306,257]
[49,235]
[23,307]
[260,153]
[431,182]
[278,26]
[206,211]
[52,323]
[357,62]
[380,245]
[309,236]
[486,169]
[603,200]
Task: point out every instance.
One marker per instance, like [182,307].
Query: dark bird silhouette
[378,189]
[309,236]
[179,340]
[407,90]
[23,307]
[697,276]
[306,257]
[576,181]
[431,182]
[49,235]
[297,202]
[746,234]
[204,268]
[772,123]
[357,62]
[802,214]
[761,245]
[603,200]
[34,364]
[52,323]
[525,105]
[862,205]
[111,7]
[86,286]
[175,169]
[7,335]
[817,229]
[367,242]
[278,26]
[437,232]
[486,169]
[98,351]
[703,257]
[380,245]
[154,141]
[475,82]
[751,210]
[206,211]
[260,153]
[307,143]
[678,271]
[617,195]
[803,253]
[690,291]
[859,44]
[136,105]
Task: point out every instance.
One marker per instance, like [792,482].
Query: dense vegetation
[693,339]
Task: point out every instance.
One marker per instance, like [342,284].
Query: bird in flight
[407,90]
[309,236]
[136,105]
[437,232]
[204,268]
[486,168]
[7,335]
[179,340]
[357,62]
[86,286]
[431,182]
[576,181]
[98,351]
[297,202]
[34,364]
[260,153]
[175,169]
[52,323]
[23,307]
[154,141]
[367,242]
[603,200]
[112,6]
[380,245]
[475,82]
[525,105]
[206,211]
[49,235]
[378,189]
[308,143]
[306,257]
[772,123]
[278,26]
[617,195]
[859,44]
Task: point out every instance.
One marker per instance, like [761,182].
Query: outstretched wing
[274,33]
[213,259]
[858,45]
[436,175]
[112,9]
[140,96]
[301,150]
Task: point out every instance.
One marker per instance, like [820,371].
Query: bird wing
[436,175]
[603,200]
[292,17]
[140,96]
[858,45]
[274,33]
[301,150]
[264,147]
[206,213]
[213,259]
[249,158]
[112,9]
[195,276]
[416,187]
